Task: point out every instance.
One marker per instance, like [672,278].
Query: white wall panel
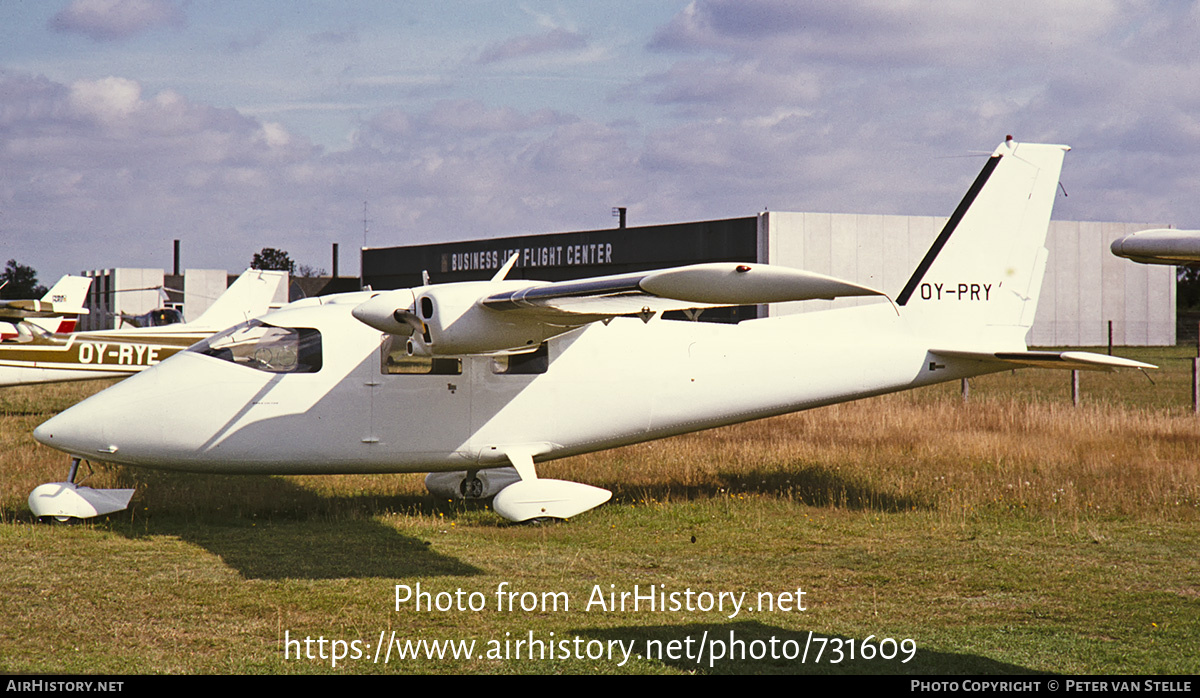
[1064,257]
[1090,247]
[201,288]
[1112,285]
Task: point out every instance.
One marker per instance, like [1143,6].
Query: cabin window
[529,363]
[264,347]
[395,361]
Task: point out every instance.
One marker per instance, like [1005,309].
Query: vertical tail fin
[69,291]
[984,271]
[68,295]
[251,295]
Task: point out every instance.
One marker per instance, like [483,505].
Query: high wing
[22,309]
[1070,360]
[54,312]
[483,317]
[678,288]
[63,299]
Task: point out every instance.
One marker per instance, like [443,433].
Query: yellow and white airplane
[40,356]
[476,382]
[57,311]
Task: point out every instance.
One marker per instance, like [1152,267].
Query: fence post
[1075,388]
[1196,386]
[966,390]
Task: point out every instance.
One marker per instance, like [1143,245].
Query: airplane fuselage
[602,386]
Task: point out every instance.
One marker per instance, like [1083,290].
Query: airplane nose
[102,424]
[76,430]
[153,418]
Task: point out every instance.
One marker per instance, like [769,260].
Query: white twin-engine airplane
[476,382]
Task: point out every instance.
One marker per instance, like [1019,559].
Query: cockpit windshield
[264,347]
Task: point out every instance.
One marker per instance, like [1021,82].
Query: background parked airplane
[44,357]
[55,312]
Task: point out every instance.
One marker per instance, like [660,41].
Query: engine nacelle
[449,319]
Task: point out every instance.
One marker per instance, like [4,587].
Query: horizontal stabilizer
[1070,360]
[678,288]
[64,299]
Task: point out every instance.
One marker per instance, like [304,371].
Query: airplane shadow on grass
[308,550]
[271,528]
[747,647]
[812,485]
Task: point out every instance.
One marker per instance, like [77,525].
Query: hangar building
[1085,286]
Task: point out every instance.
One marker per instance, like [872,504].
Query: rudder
[984,270]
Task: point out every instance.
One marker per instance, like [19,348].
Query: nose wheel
[67,501]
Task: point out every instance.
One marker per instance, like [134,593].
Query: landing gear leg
[71,475]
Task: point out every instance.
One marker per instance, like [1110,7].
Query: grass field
[1011,534]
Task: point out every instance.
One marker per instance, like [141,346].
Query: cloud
[333,37]
[107,99]
[874,71]
[100,172]
[453,121]
[553,41]
[880,32]
[114,20]
[733,86]
[850,107]
[102,166]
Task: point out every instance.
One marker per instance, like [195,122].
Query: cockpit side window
[525,364]
[264,347]
[395,361]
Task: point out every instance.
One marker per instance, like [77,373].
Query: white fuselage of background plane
[53,358]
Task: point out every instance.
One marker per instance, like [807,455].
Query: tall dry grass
[894,453]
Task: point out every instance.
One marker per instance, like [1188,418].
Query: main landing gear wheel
[471,487]
[470,484]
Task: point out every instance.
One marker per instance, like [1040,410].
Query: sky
[237,125]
